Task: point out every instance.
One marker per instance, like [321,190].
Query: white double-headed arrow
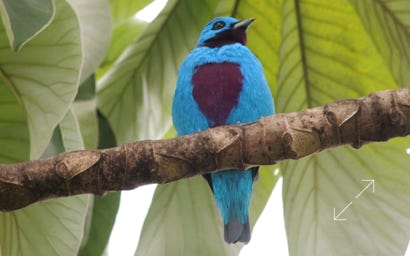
[336,216]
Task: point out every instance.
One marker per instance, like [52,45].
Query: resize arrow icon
[336,216]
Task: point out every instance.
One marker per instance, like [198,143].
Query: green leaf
[326,55]
[86,113]
[86,90]
[25,19]
[55,146]
[124,34]
[94,17]
[70,132]
[85,109]
[123,10]
[264,35]
[183,220]
[66,137]
[136,94]
[14,136]
[388,24]
[103,217]
[44,75]
[226,8]
[125,30]
[262,190]
[52,227]
[376,223]
[106,138]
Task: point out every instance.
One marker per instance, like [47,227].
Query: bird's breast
[217,87]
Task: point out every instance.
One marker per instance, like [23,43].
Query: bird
[222,82]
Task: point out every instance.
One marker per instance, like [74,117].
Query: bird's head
[224,30]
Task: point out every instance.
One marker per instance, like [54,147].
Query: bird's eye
[218,25]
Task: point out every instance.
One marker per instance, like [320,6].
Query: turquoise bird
[222,82]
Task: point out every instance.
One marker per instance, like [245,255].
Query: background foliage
[67,84]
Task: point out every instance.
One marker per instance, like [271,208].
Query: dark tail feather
[246,233]
[235,231]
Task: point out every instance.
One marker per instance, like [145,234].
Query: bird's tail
[232,191]
[235,231]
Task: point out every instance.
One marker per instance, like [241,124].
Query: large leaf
[102,220]
[183,220]
[70,132]
[388,24]
[264,35]
[123,10]
[24,19]
[317,189]
[135,95]
[123,35]
[126,28]
[85,108]
[14,137]
[262,190]
[43,77]
[53,227]
[87,116]
[95,24]
[326,55]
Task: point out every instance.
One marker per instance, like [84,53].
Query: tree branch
[378,117]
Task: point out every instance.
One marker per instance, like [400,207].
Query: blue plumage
[222,82]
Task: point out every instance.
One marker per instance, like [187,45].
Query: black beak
[244,24]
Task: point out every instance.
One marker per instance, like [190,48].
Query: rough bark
[378,117]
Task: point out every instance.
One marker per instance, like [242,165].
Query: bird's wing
[186,115]
[255,100]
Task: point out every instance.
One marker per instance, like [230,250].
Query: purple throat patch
[216,90]
[227,37]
